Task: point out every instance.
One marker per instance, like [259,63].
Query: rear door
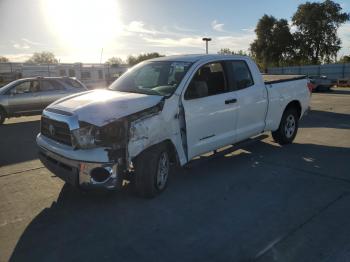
[252,100]
[24,97]
[210,110]
[51,90]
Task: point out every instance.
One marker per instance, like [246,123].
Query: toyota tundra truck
[163,112]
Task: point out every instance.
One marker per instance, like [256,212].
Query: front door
[24,97]
[210,110]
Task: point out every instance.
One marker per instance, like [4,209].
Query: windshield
[5,87]
[152,78]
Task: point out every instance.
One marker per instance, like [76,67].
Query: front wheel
[152,169]
[288,127]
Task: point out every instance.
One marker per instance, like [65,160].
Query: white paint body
[209,122]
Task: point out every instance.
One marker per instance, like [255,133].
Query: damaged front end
[95,156]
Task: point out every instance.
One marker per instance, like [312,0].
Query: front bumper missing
[78,173]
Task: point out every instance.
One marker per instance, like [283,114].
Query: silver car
[30,96]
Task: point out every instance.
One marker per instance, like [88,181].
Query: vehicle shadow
[17,142]
[202,215]
[339,92]
[317,118]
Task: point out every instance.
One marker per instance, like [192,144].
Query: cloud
[20,57]
[183,29]
[137,37]
[25,43]
[139,27]
[186,40]
[234,42]
[249,30]
[215,25]
[29,42]
[21,46]
[175,42]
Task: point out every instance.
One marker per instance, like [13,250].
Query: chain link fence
[92,75]
[339,72]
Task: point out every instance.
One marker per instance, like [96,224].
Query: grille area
[59,130]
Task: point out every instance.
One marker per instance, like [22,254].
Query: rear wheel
[152,169]
[288,127]
[2,115]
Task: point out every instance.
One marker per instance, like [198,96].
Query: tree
[43,58]
[4,59]
[316,35]
[345,59]
[133,60]
[274,43]
[226,51]
[241,52]
[115,61]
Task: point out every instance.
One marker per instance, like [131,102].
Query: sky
[91,31]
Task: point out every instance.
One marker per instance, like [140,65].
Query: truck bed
[273,79]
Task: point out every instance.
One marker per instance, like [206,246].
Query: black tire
[287,131]
[152,170]
[2,115]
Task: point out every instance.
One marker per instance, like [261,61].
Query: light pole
[101,55]
[206,39]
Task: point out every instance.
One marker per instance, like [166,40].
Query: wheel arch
[291,104]
[294,104]
[173,154]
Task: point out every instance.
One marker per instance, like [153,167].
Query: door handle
[230,101]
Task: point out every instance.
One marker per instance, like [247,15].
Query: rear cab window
[240,75]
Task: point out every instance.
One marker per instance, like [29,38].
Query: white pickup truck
[164,111]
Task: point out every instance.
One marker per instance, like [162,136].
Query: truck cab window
[209,80]
[242,77]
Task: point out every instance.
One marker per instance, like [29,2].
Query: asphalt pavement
[256,202]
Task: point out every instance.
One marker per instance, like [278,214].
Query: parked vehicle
[166,111]
[30,96]
[321,83]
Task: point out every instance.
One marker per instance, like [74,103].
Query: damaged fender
[154,129]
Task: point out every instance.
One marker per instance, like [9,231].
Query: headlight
[85,137]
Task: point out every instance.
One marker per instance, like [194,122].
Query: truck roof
[194,57]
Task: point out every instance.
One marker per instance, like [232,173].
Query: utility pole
[206,39]
[101,55]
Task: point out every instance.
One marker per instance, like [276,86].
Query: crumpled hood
[99,107]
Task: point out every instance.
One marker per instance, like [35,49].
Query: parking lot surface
[256,202]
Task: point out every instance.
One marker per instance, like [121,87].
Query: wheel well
[172,151]
[170,148]
[294,104]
